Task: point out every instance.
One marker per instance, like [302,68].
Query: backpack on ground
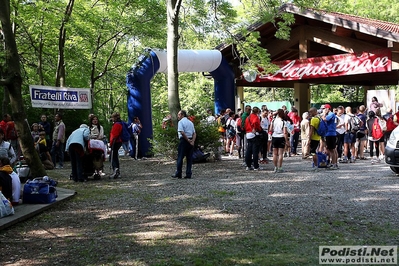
[322,129]
[376,131]
[125,134]
[321,160]
[354,123]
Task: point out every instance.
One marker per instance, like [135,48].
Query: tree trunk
[60,75]
[173,8]
[12,81]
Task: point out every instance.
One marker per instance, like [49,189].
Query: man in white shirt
[186,134]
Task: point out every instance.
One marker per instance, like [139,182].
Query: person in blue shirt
[331,136]
[75,146]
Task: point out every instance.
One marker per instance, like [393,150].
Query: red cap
[327,106]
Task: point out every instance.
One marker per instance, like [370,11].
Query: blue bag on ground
[39,191]
[321,160]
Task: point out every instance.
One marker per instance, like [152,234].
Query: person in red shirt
[115,141]
[294,137]
[3,123]
[253,132]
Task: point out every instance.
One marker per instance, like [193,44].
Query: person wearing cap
[75,146]
[331,136]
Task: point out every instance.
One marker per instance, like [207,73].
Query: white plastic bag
[5,206]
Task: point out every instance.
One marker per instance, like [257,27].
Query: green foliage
[165,141]
[103,38]
[255,94]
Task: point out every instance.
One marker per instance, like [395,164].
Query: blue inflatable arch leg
[139,77]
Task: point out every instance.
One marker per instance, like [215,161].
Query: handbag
[22,170]
[40,191]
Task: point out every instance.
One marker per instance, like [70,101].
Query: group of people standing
[259,133]
[349,131]
[94,134]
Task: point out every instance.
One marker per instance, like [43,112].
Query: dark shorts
[313,146]
[361,135]
[278,143]
[331,142]
[349,138]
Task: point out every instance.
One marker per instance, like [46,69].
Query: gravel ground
[153,206]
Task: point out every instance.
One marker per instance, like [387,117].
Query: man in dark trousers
[186,134]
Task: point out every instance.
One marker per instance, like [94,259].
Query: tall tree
[12,81]
[60,73]
[173,10]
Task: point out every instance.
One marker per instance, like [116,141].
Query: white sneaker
[249,168]
[275,170]
[258,169]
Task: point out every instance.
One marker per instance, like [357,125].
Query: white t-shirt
[278,128]
[341,121]
[264,123]
[231,122]
[16,187]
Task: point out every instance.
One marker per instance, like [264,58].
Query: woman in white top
[231,124]
[96,130]
[279,140]
[96,135]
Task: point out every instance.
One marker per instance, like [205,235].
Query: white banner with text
[60,97]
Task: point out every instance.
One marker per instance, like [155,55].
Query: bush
[165,141]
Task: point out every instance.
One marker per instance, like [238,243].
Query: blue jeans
[58,151]
[76,161]
[184,149]
[294,142]
[252,152]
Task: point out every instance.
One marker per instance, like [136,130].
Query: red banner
[331,66]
